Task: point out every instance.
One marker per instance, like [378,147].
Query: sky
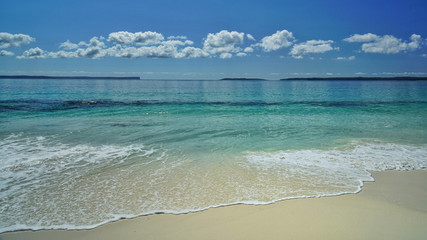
[172,39]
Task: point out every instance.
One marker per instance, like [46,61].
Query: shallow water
[79,153]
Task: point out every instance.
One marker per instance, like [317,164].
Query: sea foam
[48,184]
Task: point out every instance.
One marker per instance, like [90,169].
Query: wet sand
[392,207]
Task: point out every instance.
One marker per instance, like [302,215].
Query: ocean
[75,154]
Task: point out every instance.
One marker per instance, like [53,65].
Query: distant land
[64,77]
[235,79]
[339,79]
[259,79]
[361,78]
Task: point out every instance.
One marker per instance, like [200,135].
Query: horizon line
[25,76]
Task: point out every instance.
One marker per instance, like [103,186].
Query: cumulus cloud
[95,48]
[167,50]
[177,37]
[311,46]
[139,38]
[162,51]
[248,50]
[94,42]
[142,44]
[68,45]
[225,55]
[123,52]
[177,42]
[386,44]
[389,44]
[192,52]
[250,37]
[33,53]
[126,45]
[8,40]
[223,42]
[150,51]
[276,41]
[63,54]
[92,52]
[6,53]
[368,37]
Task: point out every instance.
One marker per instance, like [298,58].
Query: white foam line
[413,158]
[21,227]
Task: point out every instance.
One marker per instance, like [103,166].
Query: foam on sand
[46,184]
[386,209]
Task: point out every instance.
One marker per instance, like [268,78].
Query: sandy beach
[392,207]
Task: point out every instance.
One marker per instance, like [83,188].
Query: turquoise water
[78,153]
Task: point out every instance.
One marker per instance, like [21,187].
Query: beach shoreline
[392,207]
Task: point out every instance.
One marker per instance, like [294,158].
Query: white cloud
[92,52]
[250,37]
[346,58]
[177,37]
[278,40]
[167,50]
[8,40]
[311,46]
[248,50]
[161,51]
[223,42]
[126,52]
[96,48]
[386,44]
[63,54]
[368,37]
[225,55]
[6,53]
[33,53]
[192,52]
[96,42]
[139,38]
[389,44]
[177,42]
[146,44]
[68,45]
[415,41]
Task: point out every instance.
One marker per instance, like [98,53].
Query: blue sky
[165,39]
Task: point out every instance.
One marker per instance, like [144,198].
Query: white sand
[393,207]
